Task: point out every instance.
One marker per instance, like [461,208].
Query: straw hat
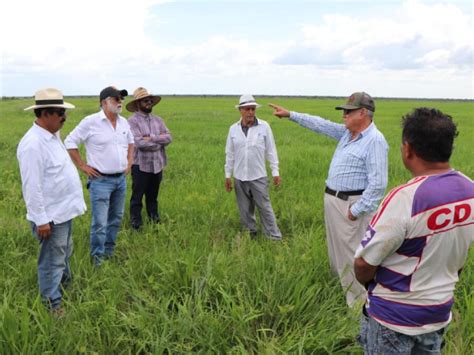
[247,100]
[49,98]
[138,94]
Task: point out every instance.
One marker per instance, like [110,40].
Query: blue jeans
[107,196]
[377,339]
[53,262]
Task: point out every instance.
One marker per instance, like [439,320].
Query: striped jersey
[419,238]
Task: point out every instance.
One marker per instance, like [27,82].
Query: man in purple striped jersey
[416,244]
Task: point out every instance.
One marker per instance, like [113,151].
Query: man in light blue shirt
[356,181]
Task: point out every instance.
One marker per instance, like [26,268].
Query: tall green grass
[195,283]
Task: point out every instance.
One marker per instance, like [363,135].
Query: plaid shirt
[357,164]
[150,154]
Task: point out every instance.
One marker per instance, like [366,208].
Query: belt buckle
[342,196]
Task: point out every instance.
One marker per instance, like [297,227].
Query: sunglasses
[61,112]
[116,99]
[147,101]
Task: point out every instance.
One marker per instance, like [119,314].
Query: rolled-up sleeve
[77,136]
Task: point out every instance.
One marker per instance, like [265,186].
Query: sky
[388,48]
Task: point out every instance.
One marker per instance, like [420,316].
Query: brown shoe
[58,313]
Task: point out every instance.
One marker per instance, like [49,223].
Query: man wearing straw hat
[109,148]
[52,192]
[151,137]
[249,143]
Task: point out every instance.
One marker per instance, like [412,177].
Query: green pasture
[195,284]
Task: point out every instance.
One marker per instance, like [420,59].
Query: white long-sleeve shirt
[106,147]
[50,182]
[245,155]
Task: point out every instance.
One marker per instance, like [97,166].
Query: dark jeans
[147,184]
[378,339]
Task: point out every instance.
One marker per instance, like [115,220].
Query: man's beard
[115,109]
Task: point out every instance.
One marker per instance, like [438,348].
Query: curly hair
[430,133]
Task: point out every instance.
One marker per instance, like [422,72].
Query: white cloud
[71,37]
[83,46]
[415,35]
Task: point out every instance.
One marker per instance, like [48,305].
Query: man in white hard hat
[53,193]
[249,143]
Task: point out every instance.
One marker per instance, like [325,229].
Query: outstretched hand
[280,111]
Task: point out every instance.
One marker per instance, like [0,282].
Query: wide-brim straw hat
[49,98]
[247,100]
[138,94]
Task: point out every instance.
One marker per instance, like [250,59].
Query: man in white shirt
[416,244]
[52,192]
[109,150]
[249,143]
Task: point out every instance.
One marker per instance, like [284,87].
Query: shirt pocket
[122,138]
[258,141]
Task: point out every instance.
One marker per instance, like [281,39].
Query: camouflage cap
[358,100]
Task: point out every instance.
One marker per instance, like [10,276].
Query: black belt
[110,175]
[343,195]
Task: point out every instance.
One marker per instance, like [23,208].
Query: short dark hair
[430,133]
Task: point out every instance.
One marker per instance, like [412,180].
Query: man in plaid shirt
[151,137]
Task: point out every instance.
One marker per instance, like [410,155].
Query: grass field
[194,283]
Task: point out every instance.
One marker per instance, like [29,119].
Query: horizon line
[265,95]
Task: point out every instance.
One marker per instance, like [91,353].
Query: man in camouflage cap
[355,184]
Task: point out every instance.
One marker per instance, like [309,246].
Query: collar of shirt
[143,114]
[44,133]
[369,129]
[255,122]
[104,117]
[366,132]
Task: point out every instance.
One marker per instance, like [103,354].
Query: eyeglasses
[347,112]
